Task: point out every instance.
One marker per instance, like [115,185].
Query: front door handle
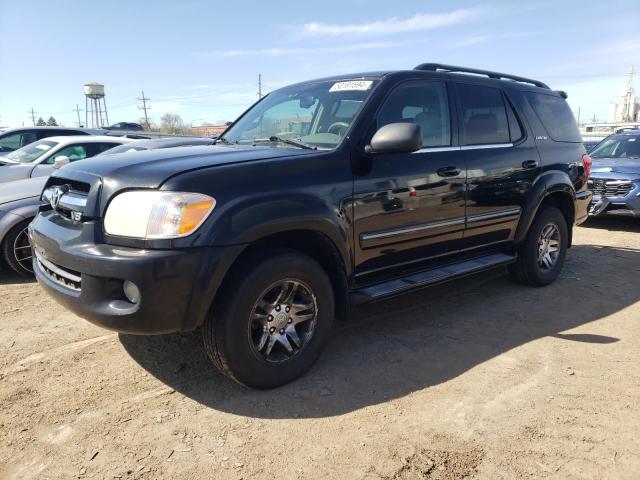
[448,171]
[530,164]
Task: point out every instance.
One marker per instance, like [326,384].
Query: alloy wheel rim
[549,246]
[283,320]
[22,250]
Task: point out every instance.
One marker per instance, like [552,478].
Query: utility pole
[144,107]
[259,86]
[578,116]
[78,110]
[33,116]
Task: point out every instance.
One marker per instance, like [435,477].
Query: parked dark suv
[322,195]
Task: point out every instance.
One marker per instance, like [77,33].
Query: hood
[151,168]
[628,168]
[21,189]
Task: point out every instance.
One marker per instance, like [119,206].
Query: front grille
[74,185]
[67,197]
[60,275]
[610,188]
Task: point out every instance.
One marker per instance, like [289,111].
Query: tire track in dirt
[22,365]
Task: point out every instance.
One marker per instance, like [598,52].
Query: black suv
[322,195]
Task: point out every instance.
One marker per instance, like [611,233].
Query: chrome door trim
[492,215]
[437,149]
[488,145]
[417,228]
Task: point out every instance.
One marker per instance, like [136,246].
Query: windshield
[618,147]
[315,115]
[31,152]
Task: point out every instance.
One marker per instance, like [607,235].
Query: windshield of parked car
[618,147]
[31,152]
[312,115]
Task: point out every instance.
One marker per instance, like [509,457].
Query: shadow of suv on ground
[390,349]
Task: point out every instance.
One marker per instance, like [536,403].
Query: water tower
[95,105]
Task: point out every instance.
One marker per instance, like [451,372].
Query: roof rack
[435,67]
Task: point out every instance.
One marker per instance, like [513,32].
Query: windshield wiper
[288,141]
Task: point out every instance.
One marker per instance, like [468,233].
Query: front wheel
[541,257]
[272,319]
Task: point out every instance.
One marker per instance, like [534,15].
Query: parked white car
[41,158]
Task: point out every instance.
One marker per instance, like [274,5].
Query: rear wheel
[16,249]
[541,257]
[271,321]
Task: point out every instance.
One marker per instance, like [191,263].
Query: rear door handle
[530,164]
[448,171]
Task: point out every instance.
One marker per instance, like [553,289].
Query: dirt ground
[481,378]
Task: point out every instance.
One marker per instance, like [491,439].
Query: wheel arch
[554,188]
[312,242]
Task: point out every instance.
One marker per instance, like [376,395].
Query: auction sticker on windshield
[350,86]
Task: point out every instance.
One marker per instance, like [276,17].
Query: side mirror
[60,161]
[401,137]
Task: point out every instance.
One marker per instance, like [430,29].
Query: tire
[234,333]
[532,269]
[14,251]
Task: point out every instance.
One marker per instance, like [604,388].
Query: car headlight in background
[150,214]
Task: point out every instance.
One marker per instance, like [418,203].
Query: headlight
[155,214]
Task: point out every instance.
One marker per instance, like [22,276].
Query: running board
[431,277]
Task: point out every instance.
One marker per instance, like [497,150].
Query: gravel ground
[481,378]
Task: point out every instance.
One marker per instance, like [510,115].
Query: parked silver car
[19,203]
[42,157]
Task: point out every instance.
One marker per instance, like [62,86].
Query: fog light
[131,291]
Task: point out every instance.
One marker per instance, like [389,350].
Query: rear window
[556,116]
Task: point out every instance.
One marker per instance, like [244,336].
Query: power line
[33,116]
[78,110]
[144,107]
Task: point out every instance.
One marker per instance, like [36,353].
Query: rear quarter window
[556,116]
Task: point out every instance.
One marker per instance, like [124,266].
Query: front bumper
[627,204]
[176,286]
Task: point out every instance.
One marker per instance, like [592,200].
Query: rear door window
[484,115]
[556,116]
[96,148]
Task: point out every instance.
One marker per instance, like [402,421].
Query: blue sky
[201,59]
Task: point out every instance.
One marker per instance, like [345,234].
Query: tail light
[586,162]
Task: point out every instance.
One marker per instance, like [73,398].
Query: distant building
[208,130]
[627,108]
[623,114]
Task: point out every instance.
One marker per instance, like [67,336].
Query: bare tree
[171,123]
